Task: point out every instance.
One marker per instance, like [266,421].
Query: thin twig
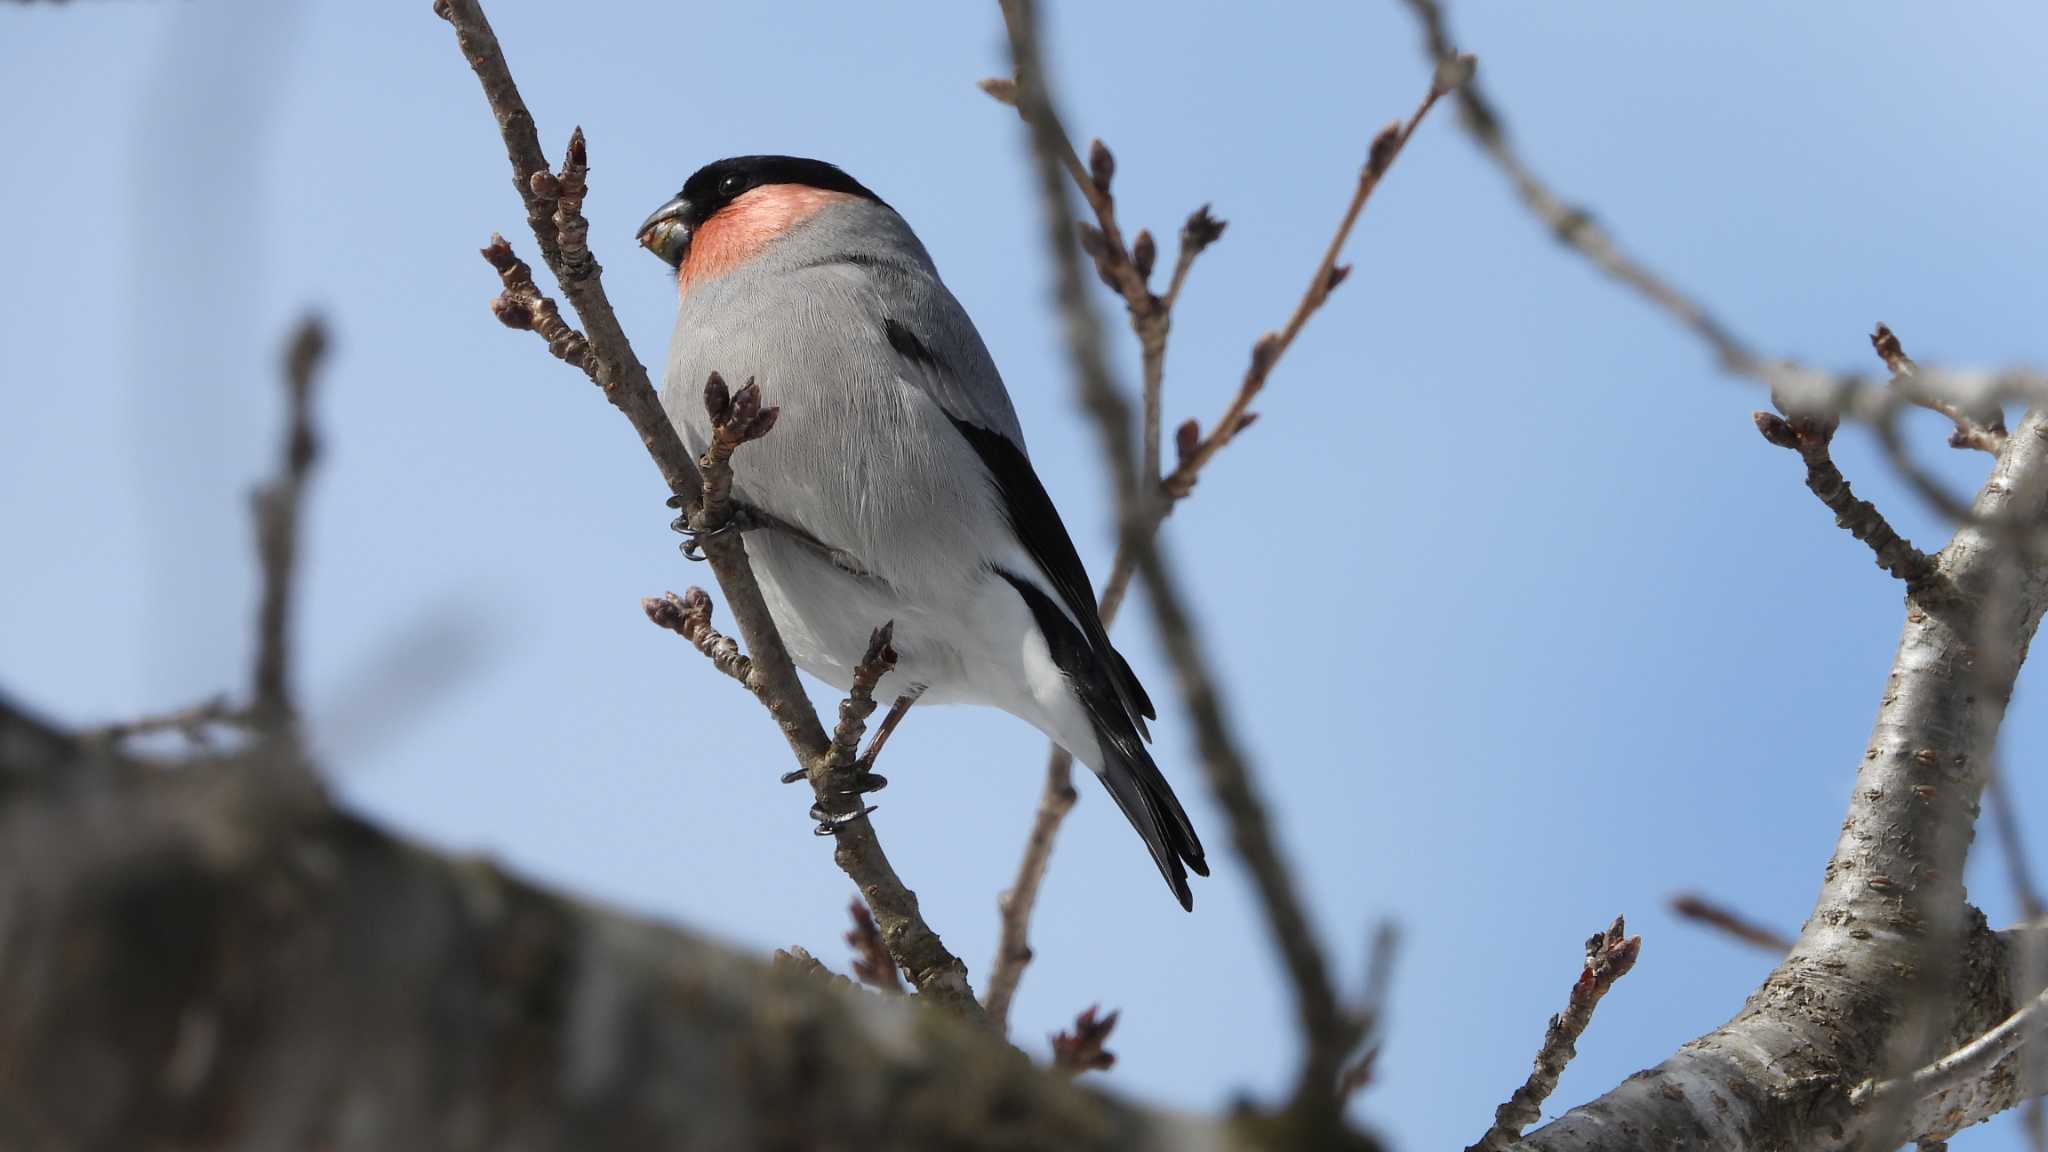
[1609,956]
[1013,946]
[1575,228]
[1810,436]
[277,530]
[877,662]
[553,212]
[1372,1012]
[689,616]
[1453,75]
[887,728]
[1983,431]
[192,722]
[1964,1064]
[1700,910]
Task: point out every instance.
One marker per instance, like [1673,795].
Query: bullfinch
[897,447]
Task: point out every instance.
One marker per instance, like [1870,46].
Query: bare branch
[1810,436]
[1967,1063]
[689,616]
[1013,945]
[192,722]
[1379,978]
[1128,273]
[277,530]
[1609,956]
[522,305]
[1267,350]
[897,711]
[1978,422]
[553,207]
[1700,910]
[1983,430]
[1328,1031]
[1779,1075]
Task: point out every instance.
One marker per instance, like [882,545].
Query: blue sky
[1525,624]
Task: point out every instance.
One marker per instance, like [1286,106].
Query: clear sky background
[1526,625]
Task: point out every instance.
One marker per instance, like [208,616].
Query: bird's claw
[831,822]
[692,546]
[794,775]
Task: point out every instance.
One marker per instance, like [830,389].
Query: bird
[896,447]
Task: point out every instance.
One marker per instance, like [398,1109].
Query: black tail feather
[1125,767]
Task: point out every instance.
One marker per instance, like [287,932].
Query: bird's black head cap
[721,182]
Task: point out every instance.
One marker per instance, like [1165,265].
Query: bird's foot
[864,781]
[738,520]
[831,822]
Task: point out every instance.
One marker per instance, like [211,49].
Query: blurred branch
[277,529]
[214,957]
[1328,1029]
[277,504]
[1127,271]
[1982,430]
[1954,393]
[1700,910]
[1966,1063]
[1372,1012]
[1609,956]
[553,203]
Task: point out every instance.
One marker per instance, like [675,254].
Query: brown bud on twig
[1455,72]
[544,185]
[1186,439]
[1777,430]
[1264,352]
[1201,230]
[717,399]
[1886,343]
[1080,1049]
[512,313]
[1243,422]
[1101,166]
[1091,239]
[746,404]
[1144,250]
[1337,274]
[1384,148]
[871,961]
[1001,89]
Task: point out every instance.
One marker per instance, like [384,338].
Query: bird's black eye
[732,185]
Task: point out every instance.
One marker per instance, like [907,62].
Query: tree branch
[554,211]
[1128,272]
[1328,1029]
[1781,1073]
[1946,391]
[1810,436]
[1700,910]
[277,530]
[1609,956]
[215,957]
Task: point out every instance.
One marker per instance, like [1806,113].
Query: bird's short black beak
[667,232]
